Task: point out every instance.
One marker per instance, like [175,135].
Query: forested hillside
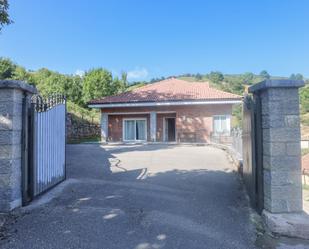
[99,82]
[239,83]
[78,89]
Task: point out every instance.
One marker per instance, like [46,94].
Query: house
[171,110]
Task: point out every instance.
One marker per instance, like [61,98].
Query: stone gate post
[281,156]
[12,94]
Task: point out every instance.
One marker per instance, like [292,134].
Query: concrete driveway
[140,197]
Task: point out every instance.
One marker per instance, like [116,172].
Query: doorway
[169,129]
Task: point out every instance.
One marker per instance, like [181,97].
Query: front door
[170,129]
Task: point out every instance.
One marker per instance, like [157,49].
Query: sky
[154,38]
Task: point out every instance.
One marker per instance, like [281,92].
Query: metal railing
[232,140]
[236,134]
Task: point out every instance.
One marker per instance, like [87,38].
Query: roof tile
[169,90]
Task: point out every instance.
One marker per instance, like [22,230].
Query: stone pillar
[153,126]
[282,184]
[104,127]
[12,94]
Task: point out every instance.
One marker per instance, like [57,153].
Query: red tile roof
[169,90]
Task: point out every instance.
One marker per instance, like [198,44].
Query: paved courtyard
[140,197]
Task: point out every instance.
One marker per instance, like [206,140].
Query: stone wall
[281,157]
[81,129]
[12,94]
[281,144]
[281,150]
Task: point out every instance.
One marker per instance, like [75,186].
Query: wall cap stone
[17,84]
[276,84]
[287,224]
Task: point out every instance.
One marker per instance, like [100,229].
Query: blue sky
[153,38]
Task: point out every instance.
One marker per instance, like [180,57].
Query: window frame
[227,119]
[134,119]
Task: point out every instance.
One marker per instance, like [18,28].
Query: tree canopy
[198,76]
[98,83]
[297,76]
[304,99]
[247,78]
[4,15]
[216,77]
[95,83]
[264,74]
[7,68]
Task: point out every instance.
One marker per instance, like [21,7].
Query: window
[221,124]
[134,130]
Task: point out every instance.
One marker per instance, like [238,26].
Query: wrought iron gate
[47,139]
[252,151]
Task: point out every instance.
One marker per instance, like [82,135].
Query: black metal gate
[45,140]
[252,151]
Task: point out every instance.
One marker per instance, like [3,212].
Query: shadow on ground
[112,205]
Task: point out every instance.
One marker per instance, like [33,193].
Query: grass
[89,115]
[305,119]
[84,140]
[193,79]
[134,86]
[304,151]
[305,186]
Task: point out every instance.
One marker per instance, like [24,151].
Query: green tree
[216,77]
[247,78]
[118,86]
[135,85]
[97,83]
[73,89]
[264,74]
[124,78]
[297,76]
[124,81]
[236,87]
[39,78]
[4,15]
[55,83]
[198,76]
[304,99]
[7,68]
[292,76]
[40,75]
[152,80]
[49,82]
[20,73]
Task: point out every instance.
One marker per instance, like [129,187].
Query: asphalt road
[140,197]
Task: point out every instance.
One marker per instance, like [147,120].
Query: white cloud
[138,73]
[80,73]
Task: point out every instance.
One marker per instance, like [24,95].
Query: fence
[233,140]
[221,139]
[236,145]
